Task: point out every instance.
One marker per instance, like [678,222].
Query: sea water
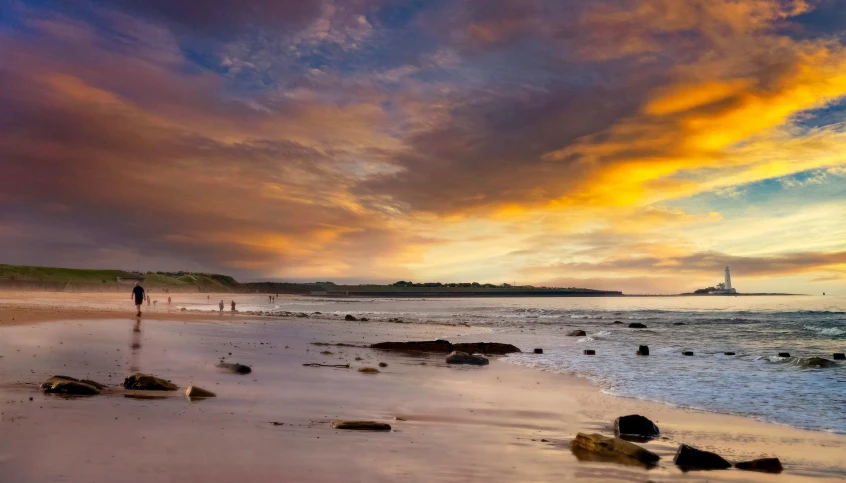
[754,382]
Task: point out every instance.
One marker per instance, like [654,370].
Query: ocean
[755,382]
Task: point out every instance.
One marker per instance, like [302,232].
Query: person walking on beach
[233,306]
[138,295]
[168,301]
[221,306]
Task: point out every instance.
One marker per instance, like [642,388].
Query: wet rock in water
[51,380]
[487,348]
[368,370]
[94,383]
[766,465]
[643,350]
[690,458]
[577,333]
[635,425]
[350,318]
[687,353]
[71,388]
[465,358]
[195,392]
[728,353]
[538,351]
[617,322]
[839,356]
[364,319]
[613,448]
[784,354]
[234,367]
[637,325]
[146,382]
[678,323]
[590,352]
[362,425]
[383,364]
[817,362]
[415,346]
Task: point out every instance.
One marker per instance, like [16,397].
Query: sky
[634,145]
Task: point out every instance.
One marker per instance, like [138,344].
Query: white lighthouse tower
[728,279]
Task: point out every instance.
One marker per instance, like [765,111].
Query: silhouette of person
[138,295]
[221,306]
[233,306]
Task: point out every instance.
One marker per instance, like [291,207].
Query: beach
[501,422]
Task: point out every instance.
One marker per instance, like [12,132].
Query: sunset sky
[636,145]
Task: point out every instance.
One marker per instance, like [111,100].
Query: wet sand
[449,423]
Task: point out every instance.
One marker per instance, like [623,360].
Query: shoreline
[536,405]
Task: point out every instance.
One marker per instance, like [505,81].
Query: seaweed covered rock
[613,447]
[68,387]
[465,358]
[146,382]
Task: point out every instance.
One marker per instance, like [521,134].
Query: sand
[449,423]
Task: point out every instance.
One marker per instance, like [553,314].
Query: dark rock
[49,382]
[784,354]
[487,348]
[421,346]
[383,364]
[839,356]
[350,318]
[613,447]
[617,322]
[538,351]
[767,465]
[643,350]
[690,458]
[194,392]
[234,367]
[728,353]
[817,362]
[362,425]
[93,383]
[637,325]
[678,323]
[590,352]
[635,425]
[146,382]
[368,370]
[687,353]
[364,319]
[456,357]
[71,388]
[577,333]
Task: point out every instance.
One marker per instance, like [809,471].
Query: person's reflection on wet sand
[135,345]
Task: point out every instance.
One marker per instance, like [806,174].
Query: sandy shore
[497,423]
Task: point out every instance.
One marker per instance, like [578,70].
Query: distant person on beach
[233,306]
[148,301]
[221,306]
[168,300]
[155,302]
[138,295]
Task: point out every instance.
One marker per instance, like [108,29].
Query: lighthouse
[728,279]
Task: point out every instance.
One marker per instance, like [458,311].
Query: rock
[362,425]
[617,322]
[687,353]
[839,356]
[383,364]
[678,323]
[577,333]
[643,350]
[487,348]
[614,447]
[350,318]
[234,367]
[368,370]
[71,388]
[784,354]
[590,352]
[690,458]
[195,392]
[767,465]
[538,351]
[635,425]
[728,353]
[465,358]
[637,325]
[93,383]
[146,382]
[364,319]
[817,362]
[416,346]
[49,382]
